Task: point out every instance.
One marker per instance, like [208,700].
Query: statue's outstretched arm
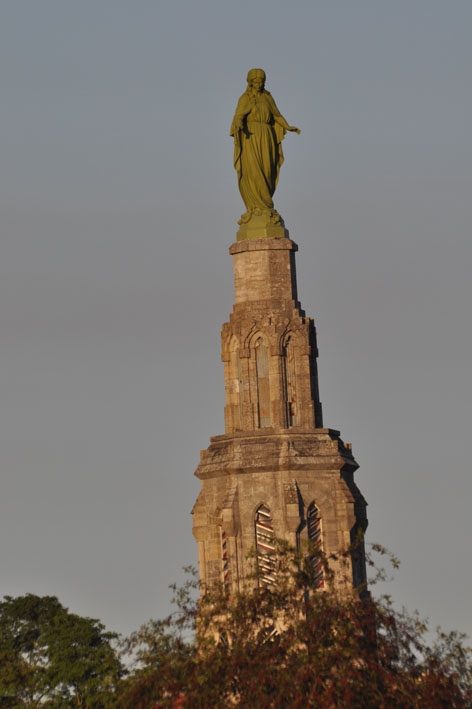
[282,122]
[278,118]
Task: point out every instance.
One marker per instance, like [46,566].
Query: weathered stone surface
[275,453]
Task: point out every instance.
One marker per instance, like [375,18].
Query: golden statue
[258,129]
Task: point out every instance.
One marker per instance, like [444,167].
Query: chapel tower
[276,473]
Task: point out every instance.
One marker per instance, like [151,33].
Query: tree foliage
[267,647]
[52,658]
[288,646]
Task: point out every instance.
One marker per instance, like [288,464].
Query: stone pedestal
[262,225]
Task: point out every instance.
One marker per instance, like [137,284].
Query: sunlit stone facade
[276,473]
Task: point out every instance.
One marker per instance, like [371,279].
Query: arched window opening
[235,384]
[358,556]
[240,391]
[263,392]
[290,383]
[265,546]
[314,536]
[225,560]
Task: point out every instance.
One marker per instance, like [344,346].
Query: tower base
[289,473]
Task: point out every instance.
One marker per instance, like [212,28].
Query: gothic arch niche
[290,383]
[262,381]
[313,521]
[236,380]
[265,546]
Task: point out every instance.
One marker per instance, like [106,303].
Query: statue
[258,129]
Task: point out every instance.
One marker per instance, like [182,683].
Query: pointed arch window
[358,556]
[314,535]
[240,391]
[265,546]
[290,382]
[225,560]
[235,383]
[263,392]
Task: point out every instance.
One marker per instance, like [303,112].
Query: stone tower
[276,473]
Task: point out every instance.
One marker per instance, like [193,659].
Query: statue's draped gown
[257,150]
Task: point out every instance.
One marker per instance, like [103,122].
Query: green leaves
[52,657]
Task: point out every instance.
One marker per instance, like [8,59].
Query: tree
[52,658]
[290,646]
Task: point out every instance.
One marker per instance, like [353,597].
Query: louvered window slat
[225,559]
[314,535]
[265,546]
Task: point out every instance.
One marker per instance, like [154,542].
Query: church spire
[276,473]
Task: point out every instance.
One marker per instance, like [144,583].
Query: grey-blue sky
[119,201]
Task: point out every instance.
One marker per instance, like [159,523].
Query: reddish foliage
[292,647]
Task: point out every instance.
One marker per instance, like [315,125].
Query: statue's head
[256,79]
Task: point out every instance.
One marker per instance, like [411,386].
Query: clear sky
[118,203]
